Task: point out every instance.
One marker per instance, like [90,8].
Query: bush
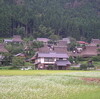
[74,68]
[95,58]
[82,59]
[18,61]
[8,68]
[83,66]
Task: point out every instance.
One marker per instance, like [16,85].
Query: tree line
[42,18]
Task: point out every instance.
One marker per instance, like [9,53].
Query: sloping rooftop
[94,42]
[43,40]
[82,42]
[66,39]
[89,51]
[62,43]
[2,49]
[17,38]
[62,62]
[7,40]
[58,49]
[52,54]
[44,49]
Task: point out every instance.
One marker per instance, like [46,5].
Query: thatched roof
[17,38]
[2,49]
[89,51]
[45,40]
[62,43]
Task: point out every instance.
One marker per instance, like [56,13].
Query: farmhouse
[62,43]
[56,57]
[87,51]
[17,39]
[7,41]
[95,42]
[67,40]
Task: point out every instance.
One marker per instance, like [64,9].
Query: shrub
[9,68]
[83,66]
[82,59]
[74,68]
[95,58]
[18,61]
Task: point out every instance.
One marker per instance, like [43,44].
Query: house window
[48,60]
[59,58]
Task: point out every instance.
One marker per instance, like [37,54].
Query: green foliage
[19,31]
[42,18]
[37,44]
[18,61]
[82,59]
[74,68]
[71,46]
[9,68]
[54,38]
[14,48]
[95,58]
[98,50]
[71,59]
[7,59]
[83,66]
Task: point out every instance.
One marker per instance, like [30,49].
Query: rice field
[16,84]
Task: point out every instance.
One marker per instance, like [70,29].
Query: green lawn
[17,84]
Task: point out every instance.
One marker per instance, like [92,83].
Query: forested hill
[41,18]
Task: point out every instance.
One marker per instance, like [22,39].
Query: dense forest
[42,18]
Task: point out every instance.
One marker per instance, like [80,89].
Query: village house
[56,57]
[87,51]
[95,42]
[62,43]
[7,41]
[82,43]
[17,39]
[67,40]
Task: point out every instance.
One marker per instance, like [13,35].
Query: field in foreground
[17,84]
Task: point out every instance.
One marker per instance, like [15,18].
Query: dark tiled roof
[52,54]
[62,62]
[60,52]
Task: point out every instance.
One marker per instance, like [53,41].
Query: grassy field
[17,84]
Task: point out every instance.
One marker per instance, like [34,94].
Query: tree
[18,61]
[83,66]
[37,44]
[54,38]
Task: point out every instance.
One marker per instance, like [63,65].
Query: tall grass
[48,85]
